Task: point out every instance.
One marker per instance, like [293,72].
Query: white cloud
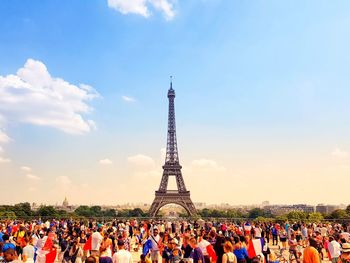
[142,161]
[34,96]
[32,177]
[4,160]
[164,6]
[141,7]
[26,168]
[128,99]
[206,164]
[4,138]
[63,180]
[105,162]
[337,152]
[1,149]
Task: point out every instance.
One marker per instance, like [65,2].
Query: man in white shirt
[122,256]
[96,240]
[334,249]
[155,245]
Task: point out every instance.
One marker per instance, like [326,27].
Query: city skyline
[262,100]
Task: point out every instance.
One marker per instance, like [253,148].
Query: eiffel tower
[172,167]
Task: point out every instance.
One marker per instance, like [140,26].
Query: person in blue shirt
[1,234]
[7,245]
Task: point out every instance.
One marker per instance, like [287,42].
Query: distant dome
[65,202]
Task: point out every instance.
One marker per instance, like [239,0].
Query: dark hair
[90,259]
[313,243]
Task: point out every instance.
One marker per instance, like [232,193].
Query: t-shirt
[122,256]
[241,253]
[311,255]
[334,249]
[197,255]
[155,242]
[167,254]
[28,250]
[187,250]
[96,241]
[105,259]
[203,246]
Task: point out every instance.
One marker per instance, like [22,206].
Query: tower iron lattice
[172,167]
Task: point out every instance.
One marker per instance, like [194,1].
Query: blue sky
[262,93]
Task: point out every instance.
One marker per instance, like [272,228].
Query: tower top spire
[171,91]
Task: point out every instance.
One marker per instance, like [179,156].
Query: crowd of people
[166,241]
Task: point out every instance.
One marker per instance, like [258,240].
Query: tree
[315,217]
[47,211]
[7,215]
[205,212]
[22,210]
[339,214]
[83,210]
[256,212]
[96,210]
[348,209]
[136,212]
[296,215]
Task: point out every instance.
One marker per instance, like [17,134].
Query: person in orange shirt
[311,254]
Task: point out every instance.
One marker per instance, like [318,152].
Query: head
[228,247]
[120,243]
[10,255]
[171,243]
[155,231]
[176,252]
[193,242]
[313,242]
[91,259]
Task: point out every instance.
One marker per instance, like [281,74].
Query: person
[96,241]
[176,257]
[122,256]
[311,254]
[10,255]
[240,251]
[155,239]
[185,247]
[167,253]
[19,237]
[28,252]
[106,244]
[76,253]
[334,249]
[91,259]
[293,246]
[196,254]
[283,239]
[229,256]
[104,256]
[345,255]
[7,244]
[274,232]
[207,249]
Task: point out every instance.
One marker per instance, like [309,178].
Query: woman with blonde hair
[228,256]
